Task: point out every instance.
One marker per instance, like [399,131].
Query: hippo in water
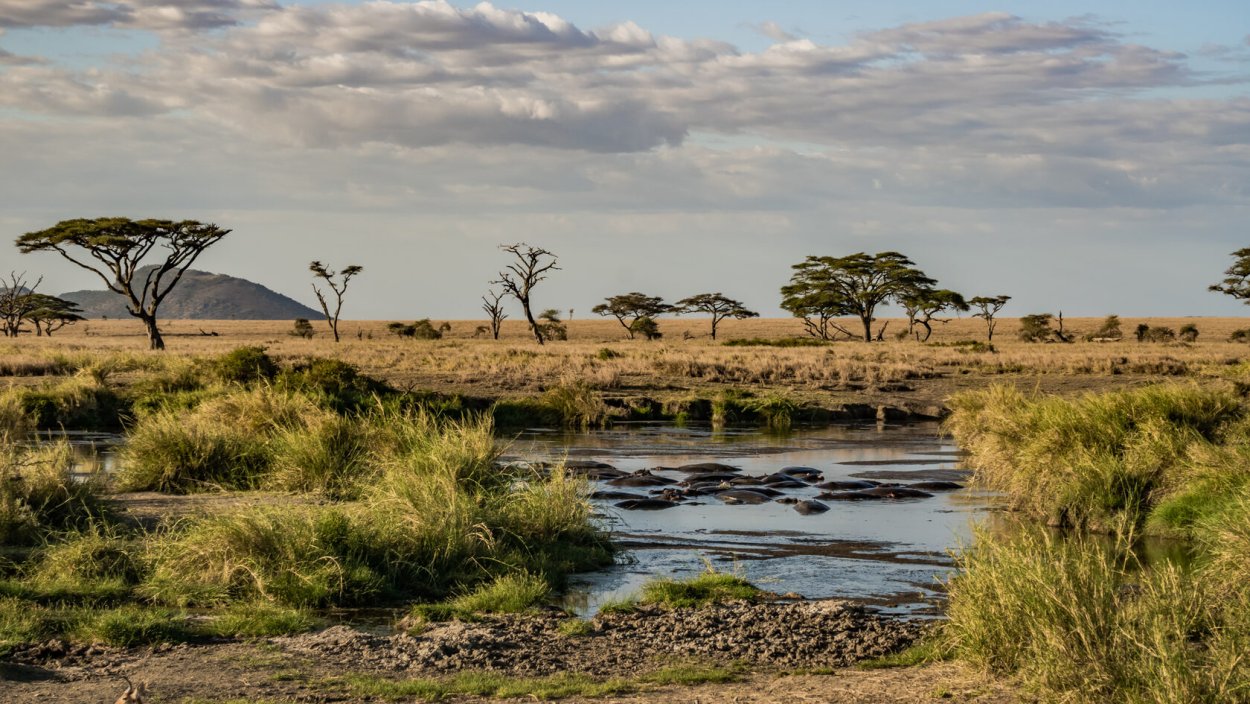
[705,467]
[743,496]
[849,485]
[936,486]
[642,478]
[716,477]
[777,481]
[807,474]
[615,495]
[646,504]
[808,508]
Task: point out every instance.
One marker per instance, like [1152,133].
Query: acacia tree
[988,307]
[1236,281]
[338,288]
[51,314]
[16,302]
[492,303]
[630,308]
[923,305]
[855,285]
[717,306]
[529,267]
[119,247]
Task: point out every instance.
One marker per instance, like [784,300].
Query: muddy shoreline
[768,637]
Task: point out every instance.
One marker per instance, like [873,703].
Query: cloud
[773,31]
[139,14]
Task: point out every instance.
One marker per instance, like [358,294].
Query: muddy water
[887,553]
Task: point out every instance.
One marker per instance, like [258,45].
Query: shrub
[1110,330]
[245,365]
[647,327]
[1242,335]
[1189,332]
[1036,327]
[302,328]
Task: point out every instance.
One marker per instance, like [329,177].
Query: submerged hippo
[808,508]
[615,495]
[898,492]
[936,486]
[705,467]
[646,504]
[642,478]
[716,477]
[848,485]
[807,474]
[743,496]
[781,482]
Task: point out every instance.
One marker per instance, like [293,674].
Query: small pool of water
[888,553]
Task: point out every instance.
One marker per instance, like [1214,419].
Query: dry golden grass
[686,361]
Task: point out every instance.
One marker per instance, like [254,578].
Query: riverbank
[748,652]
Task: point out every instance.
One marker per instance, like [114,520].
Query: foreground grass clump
[1094,461]
[39,495]
[711,587]
[436,517]
[1081,620]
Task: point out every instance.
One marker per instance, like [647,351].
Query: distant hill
[201,296]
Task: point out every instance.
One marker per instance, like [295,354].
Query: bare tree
[988,307]
[120,246]
[16,302]
[339,288]
[492,304]
[518,279]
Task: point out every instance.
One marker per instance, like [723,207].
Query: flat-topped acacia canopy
[120,247]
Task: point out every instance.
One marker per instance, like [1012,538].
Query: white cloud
[141,14]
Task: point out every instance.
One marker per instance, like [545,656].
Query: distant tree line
[823,291]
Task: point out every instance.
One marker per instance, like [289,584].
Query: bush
[302,328]
[708,588]
[1036,327]
[647,327]
[1189,333]
[1110,330]
[1242,335]
[509,593]
[245,365]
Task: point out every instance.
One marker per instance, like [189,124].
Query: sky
[1087,157]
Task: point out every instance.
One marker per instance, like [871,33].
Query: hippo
[807,474]
[848,496]
[936,486]
[642,478]
[808,508]
[669,494]
[853,485]
[787,500]
[704,467]
[709,477]
[747,481]
[646,504]
[743,496]
[781,482]
[898,492]
[615,495]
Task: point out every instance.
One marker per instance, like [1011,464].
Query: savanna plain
[291,519]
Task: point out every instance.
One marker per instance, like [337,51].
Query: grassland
[682,373]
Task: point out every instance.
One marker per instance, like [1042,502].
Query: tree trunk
[867,327]
[538,334]
[155,341]
[928,330]
[713,328]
